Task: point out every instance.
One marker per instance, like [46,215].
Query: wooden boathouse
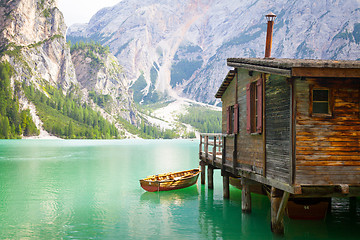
[290,129]
[290,126]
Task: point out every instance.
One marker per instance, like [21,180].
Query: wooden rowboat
[170,181]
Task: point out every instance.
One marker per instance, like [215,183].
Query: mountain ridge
[44,79]
[145,36]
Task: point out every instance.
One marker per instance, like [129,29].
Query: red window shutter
[236,118]
[259,106]
[228,117]
[248,108]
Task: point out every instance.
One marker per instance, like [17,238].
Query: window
[254,93]
[320,101]
[232,119]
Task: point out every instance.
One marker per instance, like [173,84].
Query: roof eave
[264,69]
[229,77]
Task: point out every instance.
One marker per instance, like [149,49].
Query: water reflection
[174,197]
[90,189]
[223,218]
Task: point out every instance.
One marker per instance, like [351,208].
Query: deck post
[200,146]
[278,200]
[214,151]
[226,185]
[210,177]
[206,148]
[245,196]
[202,174]
[223,154]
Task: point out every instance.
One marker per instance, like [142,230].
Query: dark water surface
[89,189]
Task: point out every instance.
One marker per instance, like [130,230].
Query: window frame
[232,119]
[254,106]
[330,102]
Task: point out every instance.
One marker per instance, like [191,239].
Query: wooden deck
[212,154]
[211,151]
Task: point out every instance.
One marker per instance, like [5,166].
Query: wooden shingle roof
[287,63]
[292,68]
[229,77]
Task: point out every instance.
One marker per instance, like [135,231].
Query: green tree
[70,130]
[5,127]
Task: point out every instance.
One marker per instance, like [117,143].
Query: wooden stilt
[330,205]
[210,177]
[226,185]
[278,201]
[245,196]
[276,227]
[202,174]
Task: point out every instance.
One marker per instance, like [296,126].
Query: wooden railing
[214,153]
[213,150]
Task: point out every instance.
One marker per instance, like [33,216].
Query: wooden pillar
[245,196]
[206,148]
[210,177]
[226,185]
[202,174]
[214,151]
[200,147]
[330,205]
[219,143]
[223,155]
[278,200]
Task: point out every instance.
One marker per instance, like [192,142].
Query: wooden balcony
[217,150]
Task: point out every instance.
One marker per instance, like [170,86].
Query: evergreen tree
[13,122]
[74,120]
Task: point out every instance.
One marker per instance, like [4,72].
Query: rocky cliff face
[99,73]
[180,47]
[30,21]
[32,40]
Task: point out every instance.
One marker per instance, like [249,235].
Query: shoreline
[43,135]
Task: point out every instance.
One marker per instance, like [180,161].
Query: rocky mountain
[101,76]
[179,48]
[33,42]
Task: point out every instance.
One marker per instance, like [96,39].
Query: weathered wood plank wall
[327,148]
[250,147]
[278,119]
[228,99]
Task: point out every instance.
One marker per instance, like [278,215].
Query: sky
[80,11]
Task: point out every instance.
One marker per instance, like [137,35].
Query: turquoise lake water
[89,189]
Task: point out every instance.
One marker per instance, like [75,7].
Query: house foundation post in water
[210,177]
[202,174]
[278,200]
[245,196]
[226,184]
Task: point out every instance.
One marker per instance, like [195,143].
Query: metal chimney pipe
[270,26]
